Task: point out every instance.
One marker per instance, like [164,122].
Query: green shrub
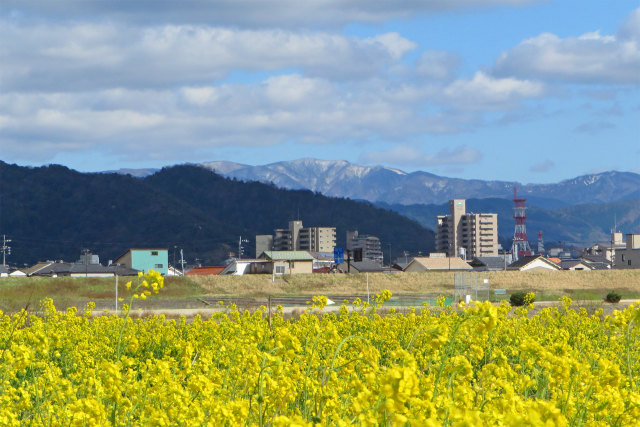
[517,299]
[613,297]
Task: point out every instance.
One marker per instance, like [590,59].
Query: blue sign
[338,255]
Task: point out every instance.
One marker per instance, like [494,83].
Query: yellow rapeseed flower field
[432,366]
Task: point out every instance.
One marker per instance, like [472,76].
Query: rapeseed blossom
[481,365]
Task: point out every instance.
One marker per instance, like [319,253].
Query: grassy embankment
[16,293]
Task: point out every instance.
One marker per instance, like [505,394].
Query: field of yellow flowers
[432,366]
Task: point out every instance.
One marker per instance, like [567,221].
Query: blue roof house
[146,259]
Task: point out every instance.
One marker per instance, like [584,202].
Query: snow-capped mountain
[379,183]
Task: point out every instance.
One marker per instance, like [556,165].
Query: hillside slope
[53,212]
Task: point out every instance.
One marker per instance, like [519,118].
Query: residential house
[240,267]
[365,266]
[323,262]
[17,273]
[288,262]
[156,259]
[437,263]
[174,272]
[576,265]
[533,263]
[77,269]
[489,263]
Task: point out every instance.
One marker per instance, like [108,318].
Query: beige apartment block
[629,257]
[298,238]
[467,234]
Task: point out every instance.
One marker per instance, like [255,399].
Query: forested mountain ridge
[53,212]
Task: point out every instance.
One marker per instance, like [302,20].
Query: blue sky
[532,91]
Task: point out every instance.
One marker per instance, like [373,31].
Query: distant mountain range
[339,178]
[53,212]
[393,186]
[579,210]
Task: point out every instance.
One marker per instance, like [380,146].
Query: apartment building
[467,235]
[297,238]
[370,245]
[629,257]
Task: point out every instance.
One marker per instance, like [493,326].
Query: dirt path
[208,311]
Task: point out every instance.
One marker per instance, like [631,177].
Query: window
[629,262]
[159,266]
[623,258]
[154,253]
[279,269]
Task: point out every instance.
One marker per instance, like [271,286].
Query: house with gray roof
[75,269]
[533,263]
[288,262]
[576,265]
[489,263]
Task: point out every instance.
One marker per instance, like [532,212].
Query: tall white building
[467,235]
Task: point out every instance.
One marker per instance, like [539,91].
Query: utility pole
[6,250]
[240,247]
[182,261]
[86,262]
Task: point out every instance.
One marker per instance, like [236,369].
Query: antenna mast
[6,250]
[540,244]
[520,246]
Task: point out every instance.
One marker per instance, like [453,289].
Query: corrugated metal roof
[289,255]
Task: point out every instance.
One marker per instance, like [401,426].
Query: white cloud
[86,57]
[404,155]
[589,58]
[543,167]
[244,13]
[484,92]
[276,110]
[437,65]
[630,29]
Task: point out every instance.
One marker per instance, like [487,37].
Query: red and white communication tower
[520,246]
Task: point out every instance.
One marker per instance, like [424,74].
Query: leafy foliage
[518,299]
[613,297]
